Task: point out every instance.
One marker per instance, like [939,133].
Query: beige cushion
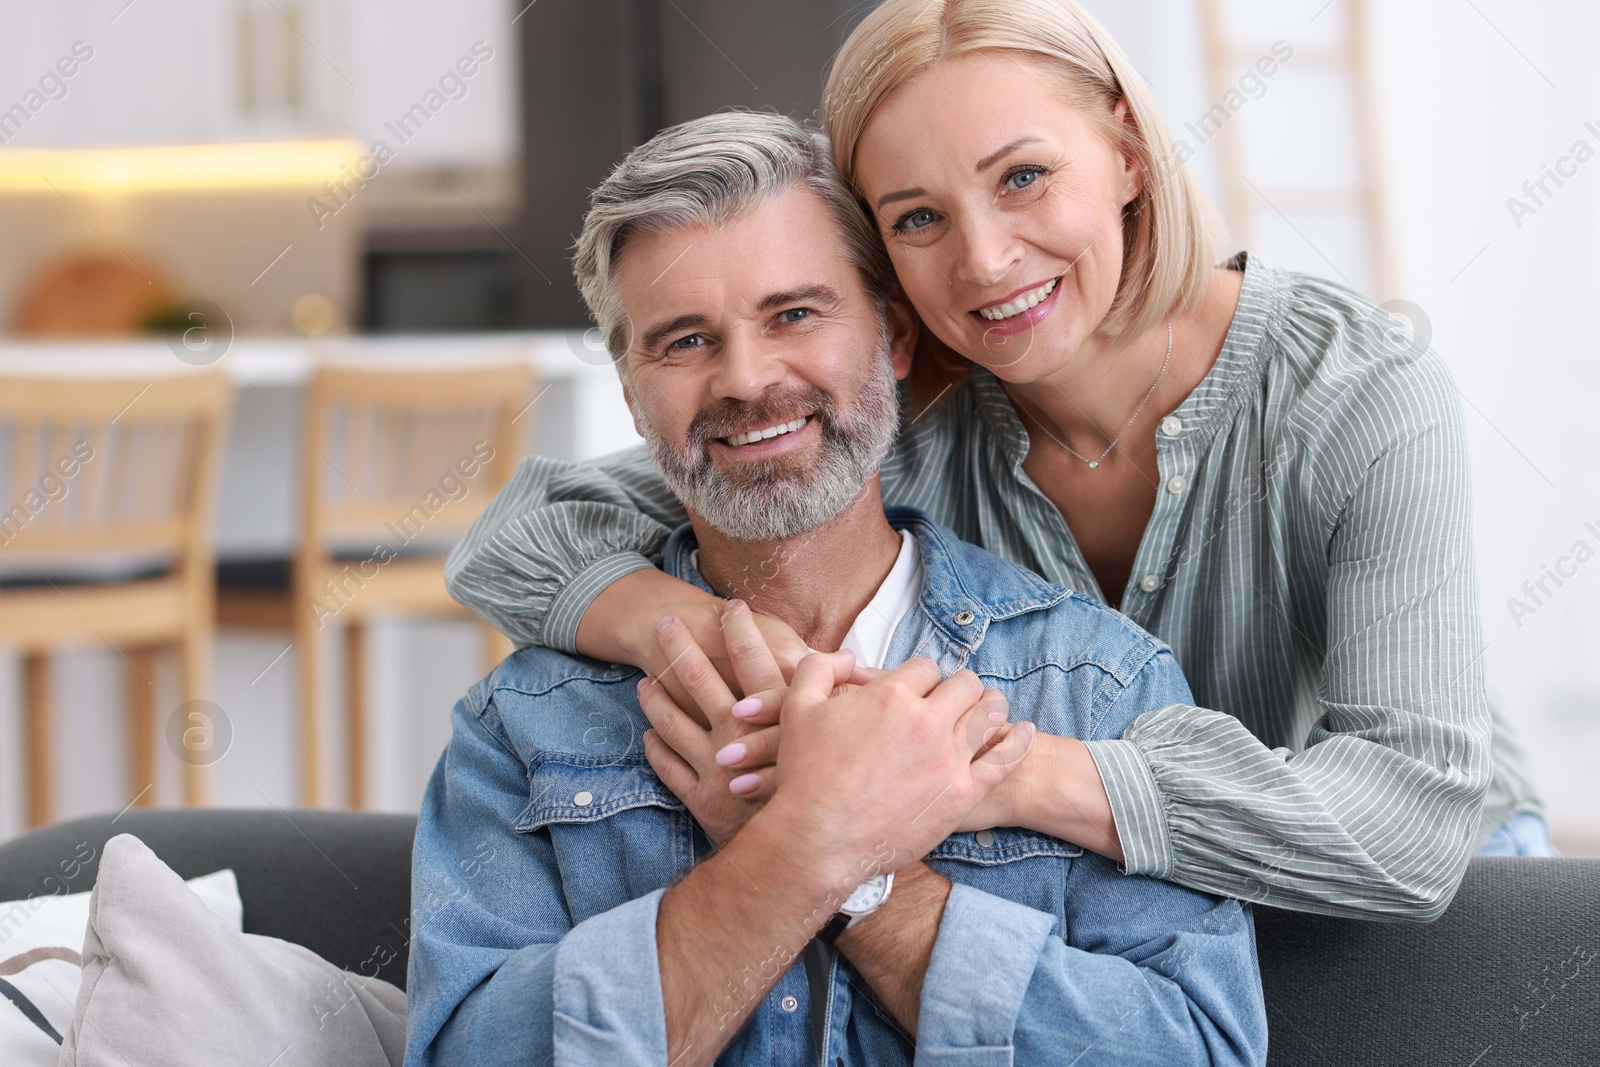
[41,966]
[166,981]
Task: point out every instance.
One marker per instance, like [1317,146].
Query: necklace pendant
[1093,463]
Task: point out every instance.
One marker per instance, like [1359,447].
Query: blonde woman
[1240,458]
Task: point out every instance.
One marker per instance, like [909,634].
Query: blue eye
[1023,177]
[694,340]
[795,314]
[917,219]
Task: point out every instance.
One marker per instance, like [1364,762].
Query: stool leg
[355,711]
[308,682]
[139,679]
[194,655]
[38,740]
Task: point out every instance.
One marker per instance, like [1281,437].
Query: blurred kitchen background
[316,245]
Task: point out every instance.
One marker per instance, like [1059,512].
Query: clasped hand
[884,763]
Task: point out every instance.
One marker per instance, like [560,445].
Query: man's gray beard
[779,500]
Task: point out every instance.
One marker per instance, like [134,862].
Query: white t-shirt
[874,628]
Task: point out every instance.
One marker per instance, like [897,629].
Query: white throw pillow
[166,981]
[41,940]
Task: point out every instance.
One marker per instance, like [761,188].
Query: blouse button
[1177,484]
[1150,583]
[964,618]
[1171,425]
[583,799]
[789,1003]
[984,838]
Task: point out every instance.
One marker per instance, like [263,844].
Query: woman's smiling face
[1001,205]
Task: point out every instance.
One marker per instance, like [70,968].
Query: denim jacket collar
[963,588]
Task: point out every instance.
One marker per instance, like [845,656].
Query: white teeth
[771,431]
[1020,304]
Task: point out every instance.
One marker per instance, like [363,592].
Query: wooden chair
[396,465]
[104,472]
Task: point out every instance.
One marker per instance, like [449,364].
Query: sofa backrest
[337,882]
[1509,975]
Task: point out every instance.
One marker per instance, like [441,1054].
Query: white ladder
[1228,51]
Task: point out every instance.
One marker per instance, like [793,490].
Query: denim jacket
[546,842]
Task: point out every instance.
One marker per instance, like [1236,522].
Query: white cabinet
[185,70]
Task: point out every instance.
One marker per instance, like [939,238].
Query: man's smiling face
[758,368]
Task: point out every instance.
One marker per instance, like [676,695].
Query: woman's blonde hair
[1170,230]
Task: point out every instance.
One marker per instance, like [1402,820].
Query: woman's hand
[682,747]
[620,626]
[680,752]
[1008,803]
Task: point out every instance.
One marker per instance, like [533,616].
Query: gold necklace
[1093,463]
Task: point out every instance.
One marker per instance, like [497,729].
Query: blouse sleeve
[1377,815]
[554,537]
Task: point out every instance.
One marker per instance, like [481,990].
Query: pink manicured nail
[731,753]
[745,783]
[746,707]
[664,623]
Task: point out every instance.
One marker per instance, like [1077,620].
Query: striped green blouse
[1309,560]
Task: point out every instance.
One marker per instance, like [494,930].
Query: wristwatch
[867,898]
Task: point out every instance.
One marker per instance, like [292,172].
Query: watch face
[867,896]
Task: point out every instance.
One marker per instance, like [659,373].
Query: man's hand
[889,769]
[755,755]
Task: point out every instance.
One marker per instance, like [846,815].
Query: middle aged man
[588,891]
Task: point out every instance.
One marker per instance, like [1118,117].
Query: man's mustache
[729,417]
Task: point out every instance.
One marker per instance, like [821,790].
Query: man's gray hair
[709,171]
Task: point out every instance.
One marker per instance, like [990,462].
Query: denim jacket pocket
[1003,844]
[1018,865]
[616,831]
[584,789]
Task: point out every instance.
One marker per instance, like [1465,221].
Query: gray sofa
[1510,974]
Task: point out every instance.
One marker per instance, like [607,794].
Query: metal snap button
[583,799]
[789,1003]
[964,618]
[985,838]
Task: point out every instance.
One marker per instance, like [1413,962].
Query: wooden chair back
[123,472]
[407,456]
[112,466]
